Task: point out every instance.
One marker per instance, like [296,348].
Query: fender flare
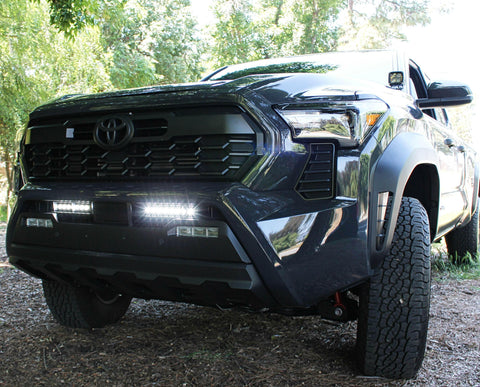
[391,174]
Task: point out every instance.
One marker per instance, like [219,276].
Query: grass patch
[442,265]
[3,213]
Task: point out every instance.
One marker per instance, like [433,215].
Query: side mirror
[445,94]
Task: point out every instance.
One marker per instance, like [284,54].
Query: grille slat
[166,159]
[317,179]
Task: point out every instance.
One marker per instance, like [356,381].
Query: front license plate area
[111,213]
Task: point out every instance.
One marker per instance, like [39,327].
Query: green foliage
[248,30]
[285,242]
[151,42]
[71,16]
[38,64]
[234,33]
[373,24]
[3,213]
[316,21]
[442,265]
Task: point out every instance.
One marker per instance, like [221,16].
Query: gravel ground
[167,344]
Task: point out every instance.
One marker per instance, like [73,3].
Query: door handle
[449,142]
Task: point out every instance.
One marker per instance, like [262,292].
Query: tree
[71,16]
[372,24]
[316,20]
[233,35]
[38,64]
[248,30]
[150,41]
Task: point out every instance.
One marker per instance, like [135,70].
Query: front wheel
[395,303]
[81,307]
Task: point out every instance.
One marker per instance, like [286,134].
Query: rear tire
[463,240]
[395,303]
[81,307]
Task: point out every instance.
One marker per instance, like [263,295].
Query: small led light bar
[72,207]
[38,222]
[174,211]
[197,232]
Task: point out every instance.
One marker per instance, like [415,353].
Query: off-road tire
[395,303]
[463,240]
[80,307]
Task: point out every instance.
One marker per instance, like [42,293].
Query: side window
[441,116]
[413,92]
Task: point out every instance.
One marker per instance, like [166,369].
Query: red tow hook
[339,309]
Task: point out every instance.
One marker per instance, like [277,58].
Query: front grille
[318,177]
[67,150]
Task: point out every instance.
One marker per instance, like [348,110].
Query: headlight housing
[346,121]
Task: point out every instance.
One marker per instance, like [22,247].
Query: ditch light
[80,207]
[38,222]
[196,232]
[171,211]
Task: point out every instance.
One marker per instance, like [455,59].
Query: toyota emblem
[113,132]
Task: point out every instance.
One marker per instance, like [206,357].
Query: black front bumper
[273,249]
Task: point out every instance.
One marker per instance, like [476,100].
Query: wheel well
[423,184]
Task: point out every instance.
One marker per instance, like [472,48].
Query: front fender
[391,174]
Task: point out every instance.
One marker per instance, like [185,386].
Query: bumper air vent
[317,181]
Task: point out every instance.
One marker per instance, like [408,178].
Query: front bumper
[273,249]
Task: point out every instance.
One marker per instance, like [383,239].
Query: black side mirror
[445,94]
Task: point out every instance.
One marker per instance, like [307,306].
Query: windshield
[371,66]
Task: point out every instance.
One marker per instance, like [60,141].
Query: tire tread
[394,308]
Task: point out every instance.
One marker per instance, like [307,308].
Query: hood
[272,89]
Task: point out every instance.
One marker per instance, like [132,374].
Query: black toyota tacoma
[305,185]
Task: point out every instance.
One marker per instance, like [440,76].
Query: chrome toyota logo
[113,132]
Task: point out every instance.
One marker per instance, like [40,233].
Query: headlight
[349,122]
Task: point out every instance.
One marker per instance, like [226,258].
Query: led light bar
[38,222]
[196,232]
[72,207]
[174,211]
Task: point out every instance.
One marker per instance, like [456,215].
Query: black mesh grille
[317,179]
[55,153]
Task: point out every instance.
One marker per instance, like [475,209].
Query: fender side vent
[317,180]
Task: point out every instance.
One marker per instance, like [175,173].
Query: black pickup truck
[305,185]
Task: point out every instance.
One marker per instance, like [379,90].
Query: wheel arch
[424,185]
[407,167]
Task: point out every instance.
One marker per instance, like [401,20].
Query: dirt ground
[166,344]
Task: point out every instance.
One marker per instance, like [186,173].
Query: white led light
[156,210]
[212,232]
[197,232]
[38,222]
[72,207]
[184,231]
